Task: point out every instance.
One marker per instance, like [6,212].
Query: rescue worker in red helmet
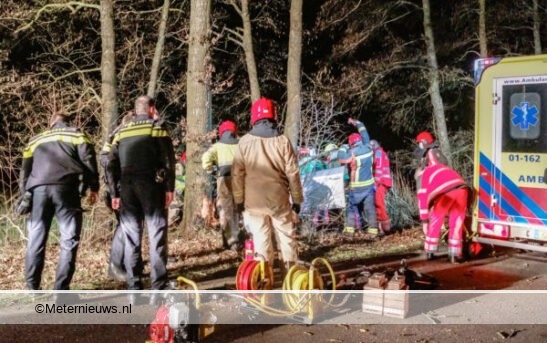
[382,182]
[442,192]
[265,178]
[219,157]
[361,184]
[427,151]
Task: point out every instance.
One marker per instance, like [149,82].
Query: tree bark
[482,29]
[434,84]
[198,106]
[292,121]
[154,71]
[537,28]
[249,52]
[108,69]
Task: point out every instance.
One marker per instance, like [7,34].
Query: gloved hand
[296,208]
[352,121]
[240,208]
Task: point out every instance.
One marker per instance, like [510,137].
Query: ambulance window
[524,120]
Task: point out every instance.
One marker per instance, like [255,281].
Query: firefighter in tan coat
[265,177]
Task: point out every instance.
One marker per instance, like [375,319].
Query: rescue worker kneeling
[443,191]
[220,157]
[265,176]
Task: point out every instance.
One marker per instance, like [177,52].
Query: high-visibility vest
[382,171]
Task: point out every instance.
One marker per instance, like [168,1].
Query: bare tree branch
[73,6]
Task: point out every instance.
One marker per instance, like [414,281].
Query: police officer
[141,177]
[116,267]
[54,162]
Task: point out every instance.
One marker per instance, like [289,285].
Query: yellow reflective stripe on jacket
[356,182]
[133,131]
[220,154]
[158,131]
[143,129]
[75,138]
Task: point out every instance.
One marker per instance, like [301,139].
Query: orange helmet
[424,137]
[226,125]
[263,108]
[354,138]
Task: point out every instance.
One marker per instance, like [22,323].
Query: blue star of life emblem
[524,115]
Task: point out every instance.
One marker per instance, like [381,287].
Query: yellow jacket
[220,155]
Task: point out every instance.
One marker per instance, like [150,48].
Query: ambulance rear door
[519,194]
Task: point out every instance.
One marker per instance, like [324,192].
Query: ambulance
[510,202]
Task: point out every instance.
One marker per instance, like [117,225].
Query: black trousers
[142,201]
[63,203]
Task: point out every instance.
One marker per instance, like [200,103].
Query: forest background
[399,66]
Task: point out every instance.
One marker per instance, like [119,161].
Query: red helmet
[424,137]
[354,138]
[183,158]
[263,108]
[226,125]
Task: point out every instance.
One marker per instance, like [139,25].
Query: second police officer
[141,177]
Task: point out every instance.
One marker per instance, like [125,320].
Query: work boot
[37,296]
[348,231]
[372,233]
[385,226]
[115,272]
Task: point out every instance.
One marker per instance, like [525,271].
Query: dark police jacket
[59,155]
[141,148]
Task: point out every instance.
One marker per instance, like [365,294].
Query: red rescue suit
[443,191]
[382,182]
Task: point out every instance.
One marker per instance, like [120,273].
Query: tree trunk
[249,53]
[154,72]
[537,26]
[482,29]
[108,69]
[292,121]
[198,106]
[434,87]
